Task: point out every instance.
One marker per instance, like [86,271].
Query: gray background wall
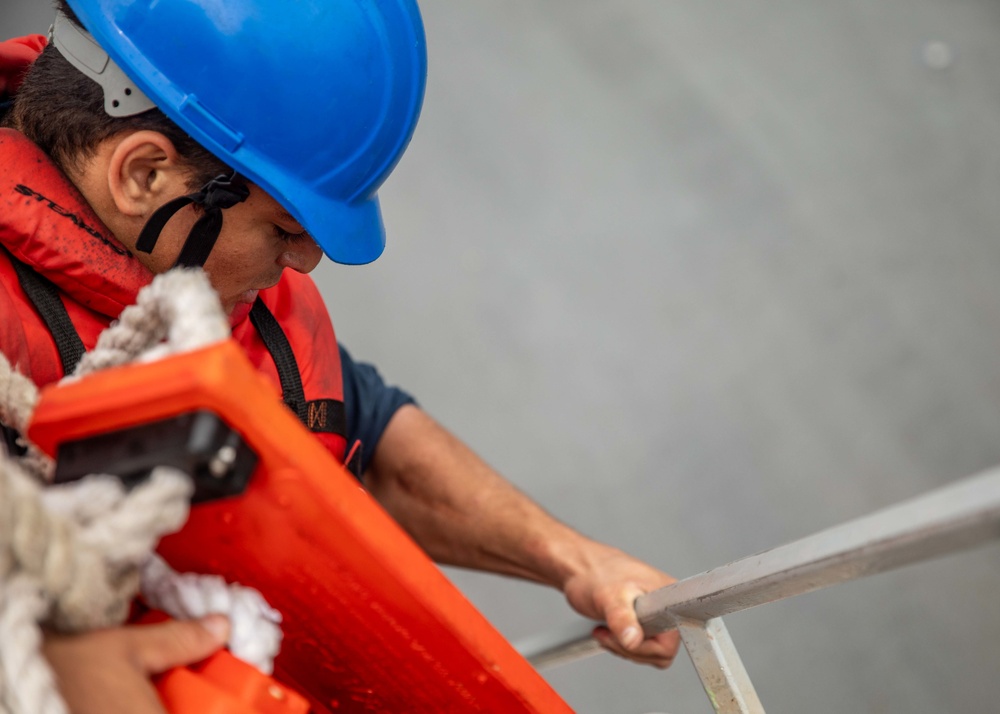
[704,277]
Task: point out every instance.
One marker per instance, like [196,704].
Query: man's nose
[302,255]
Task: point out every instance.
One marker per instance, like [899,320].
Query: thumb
[622,620]
[178,642]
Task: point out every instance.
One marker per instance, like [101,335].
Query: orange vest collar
[48,225]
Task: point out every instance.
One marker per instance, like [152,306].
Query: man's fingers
[622,620]
[662,647]
[177,642]
[658,651]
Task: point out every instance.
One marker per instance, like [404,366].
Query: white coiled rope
[72,556]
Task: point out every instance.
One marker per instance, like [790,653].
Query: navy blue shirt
[369,403]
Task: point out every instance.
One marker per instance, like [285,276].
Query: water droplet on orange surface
[276,692]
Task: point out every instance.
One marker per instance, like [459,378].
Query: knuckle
[621,615]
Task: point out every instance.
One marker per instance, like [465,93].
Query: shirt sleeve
[369,404]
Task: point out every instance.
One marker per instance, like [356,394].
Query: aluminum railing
[949,519]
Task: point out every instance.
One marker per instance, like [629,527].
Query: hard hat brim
[359,235]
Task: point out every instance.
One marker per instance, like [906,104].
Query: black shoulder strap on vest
[45,297]
[319,415]
[284,359]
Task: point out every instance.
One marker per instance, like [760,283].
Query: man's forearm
[462,512]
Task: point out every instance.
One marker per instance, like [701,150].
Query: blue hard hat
[312,100]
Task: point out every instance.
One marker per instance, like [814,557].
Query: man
[250,138]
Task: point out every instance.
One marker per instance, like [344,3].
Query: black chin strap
[219,193]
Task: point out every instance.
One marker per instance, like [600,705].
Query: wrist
[572,555]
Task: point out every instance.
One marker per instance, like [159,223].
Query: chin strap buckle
[224,191]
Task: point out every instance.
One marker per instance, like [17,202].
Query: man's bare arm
[463,513]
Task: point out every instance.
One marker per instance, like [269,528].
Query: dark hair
[62,111]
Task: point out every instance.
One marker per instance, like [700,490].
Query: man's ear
[144,172]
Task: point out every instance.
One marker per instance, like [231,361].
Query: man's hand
[606,589]
[108,671]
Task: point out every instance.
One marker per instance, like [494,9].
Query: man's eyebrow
[285,215]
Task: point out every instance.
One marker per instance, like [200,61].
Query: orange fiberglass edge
[370,622]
